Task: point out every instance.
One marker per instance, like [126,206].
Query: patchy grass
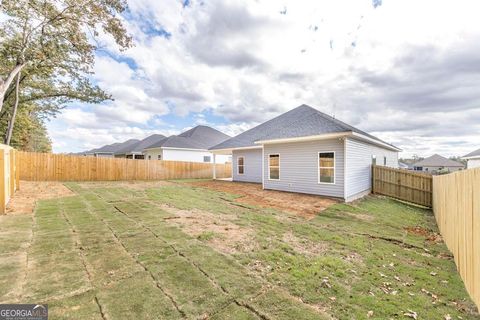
[173,251]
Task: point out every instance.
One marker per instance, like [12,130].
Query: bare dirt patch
[429,235]
[23,202]
[304,246]
[134,184]
[307,206]
[226,236]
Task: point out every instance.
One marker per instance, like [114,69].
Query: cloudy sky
[407,71]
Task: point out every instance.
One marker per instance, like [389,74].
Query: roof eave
[306,138]
[218,151]
[377,142]
[471,157]
[331,136]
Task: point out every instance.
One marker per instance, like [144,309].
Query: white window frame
[334,168]
[268,167]
[384,161]
[238,166]
[209,159]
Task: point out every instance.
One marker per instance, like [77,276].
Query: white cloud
[406,70]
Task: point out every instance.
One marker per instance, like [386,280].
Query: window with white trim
[274,167]
[159,157]
[207,158]
[374,160]
[240,165]
[326,167]
[385,161]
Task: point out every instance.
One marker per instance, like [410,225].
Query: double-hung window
[240,165]
[274,167]
[326,167]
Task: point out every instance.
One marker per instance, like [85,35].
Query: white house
[191,146]
[473,159]
[307,151]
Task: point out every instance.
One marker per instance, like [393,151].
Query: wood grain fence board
[59,167]
[456,205]
[402,184]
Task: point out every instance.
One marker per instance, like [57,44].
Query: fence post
[3,203]
[12,172]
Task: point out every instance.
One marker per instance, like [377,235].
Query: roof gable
[475,153]
[437,161]
[140,145]
[199,137]
[302,121]
[114,147]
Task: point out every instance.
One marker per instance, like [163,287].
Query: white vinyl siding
[473,163]
[359,158]
[300,166]
[252,165]
[184,155]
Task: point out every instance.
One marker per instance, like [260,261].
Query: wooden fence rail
[403,184]
[456,205]
[58,167]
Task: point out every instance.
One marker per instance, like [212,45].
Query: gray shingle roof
[200,137]
[475,153]
[437,161]
[140,145]
[302,121]
[114,147]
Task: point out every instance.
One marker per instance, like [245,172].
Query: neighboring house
[307,151]
[437,164]
[473,159]
[108,151]
[403,165]
[191,145]
[135,151]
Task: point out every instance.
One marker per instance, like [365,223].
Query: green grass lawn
[179,252]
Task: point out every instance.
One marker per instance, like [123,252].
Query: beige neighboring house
[473,159]
[109,150]
[437,164]
[135,151]
[191,146]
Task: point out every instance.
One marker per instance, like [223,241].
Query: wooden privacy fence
[403,184]
[456,205]
[58,167]
[9,175]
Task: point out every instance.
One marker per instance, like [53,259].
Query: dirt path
[24,200]
[304,205]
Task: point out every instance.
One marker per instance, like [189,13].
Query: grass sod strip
[212,264]
[125,289]
[15,236]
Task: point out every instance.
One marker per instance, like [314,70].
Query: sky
[406,71]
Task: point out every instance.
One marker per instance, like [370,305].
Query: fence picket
[51,167]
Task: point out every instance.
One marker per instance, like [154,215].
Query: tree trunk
[11,123]
[5,84]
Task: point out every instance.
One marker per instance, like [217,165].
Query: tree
[30,133]
[49,46]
